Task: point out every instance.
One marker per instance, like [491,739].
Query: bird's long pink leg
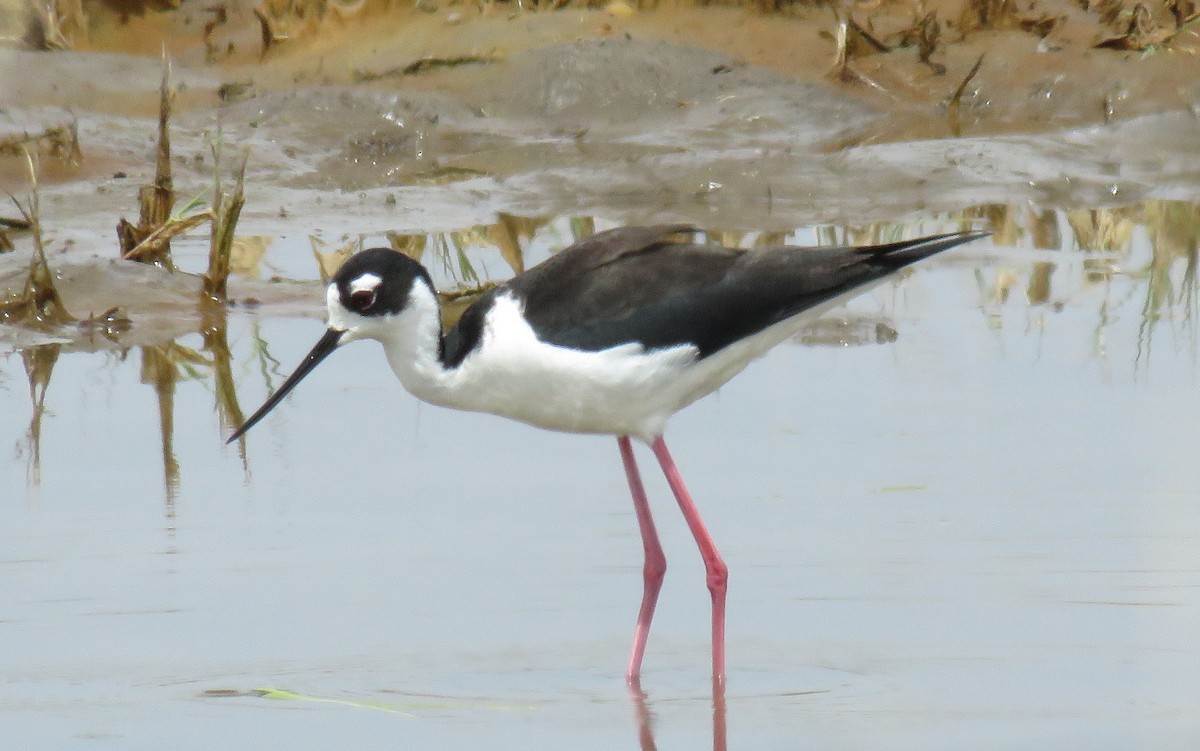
[717,571]
[656,563]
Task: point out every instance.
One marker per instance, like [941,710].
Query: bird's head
[364,296]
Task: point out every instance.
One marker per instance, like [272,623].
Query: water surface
[972,523]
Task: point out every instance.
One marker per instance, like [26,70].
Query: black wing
[581,285]
[640,284]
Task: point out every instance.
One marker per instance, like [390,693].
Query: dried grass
[149,241]
[54,24]
[59,142]
[39,303]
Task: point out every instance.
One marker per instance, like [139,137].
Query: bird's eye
[361,299]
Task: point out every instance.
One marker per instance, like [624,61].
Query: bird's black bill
[328,343]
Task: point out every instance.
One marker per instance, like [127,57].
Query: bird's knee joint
[655,569]
[718,577]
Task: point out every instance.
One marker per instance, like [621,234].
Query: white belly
[624,390]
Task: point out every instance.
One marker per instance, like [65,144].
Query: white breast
[624,390]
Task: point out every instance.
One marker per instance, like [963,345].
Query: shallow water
[981,531]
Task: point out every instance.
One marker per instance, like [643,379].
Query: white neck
[411,340]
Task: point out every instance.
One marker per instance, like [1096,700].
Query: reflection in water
[161,368]
[328,261]
[1162,269]
[246,255]
[645,719]
[1103,229]
[1110,567]
[39,364]
[216,342]
[1152,267]
[509,234]
[720,730]
[1166,276]
[1038,289]
[1174,230]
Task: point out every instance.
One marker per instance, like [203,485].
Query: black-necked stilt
[612,335]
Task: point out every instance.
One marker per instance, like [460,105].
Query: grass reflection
[1174,233]
[1139,258]
[39,366]
[1153,244]
[160,370]
[163,366]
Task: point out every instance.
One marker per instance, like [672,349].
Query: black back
[642,284]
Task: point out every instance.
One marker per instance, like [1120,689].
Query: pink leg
[718,573]
[655,567]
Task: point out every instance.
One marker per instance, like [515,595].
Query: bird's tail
[899,254]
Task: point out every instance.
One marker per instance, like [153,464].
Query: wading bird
[612,335]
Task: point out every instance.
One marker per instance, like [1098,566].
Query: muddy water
[965,517]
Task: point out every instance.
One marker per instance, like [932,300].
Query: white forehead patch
[364,283]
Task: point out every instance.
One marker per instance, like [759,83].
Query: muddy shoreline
[433,121]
